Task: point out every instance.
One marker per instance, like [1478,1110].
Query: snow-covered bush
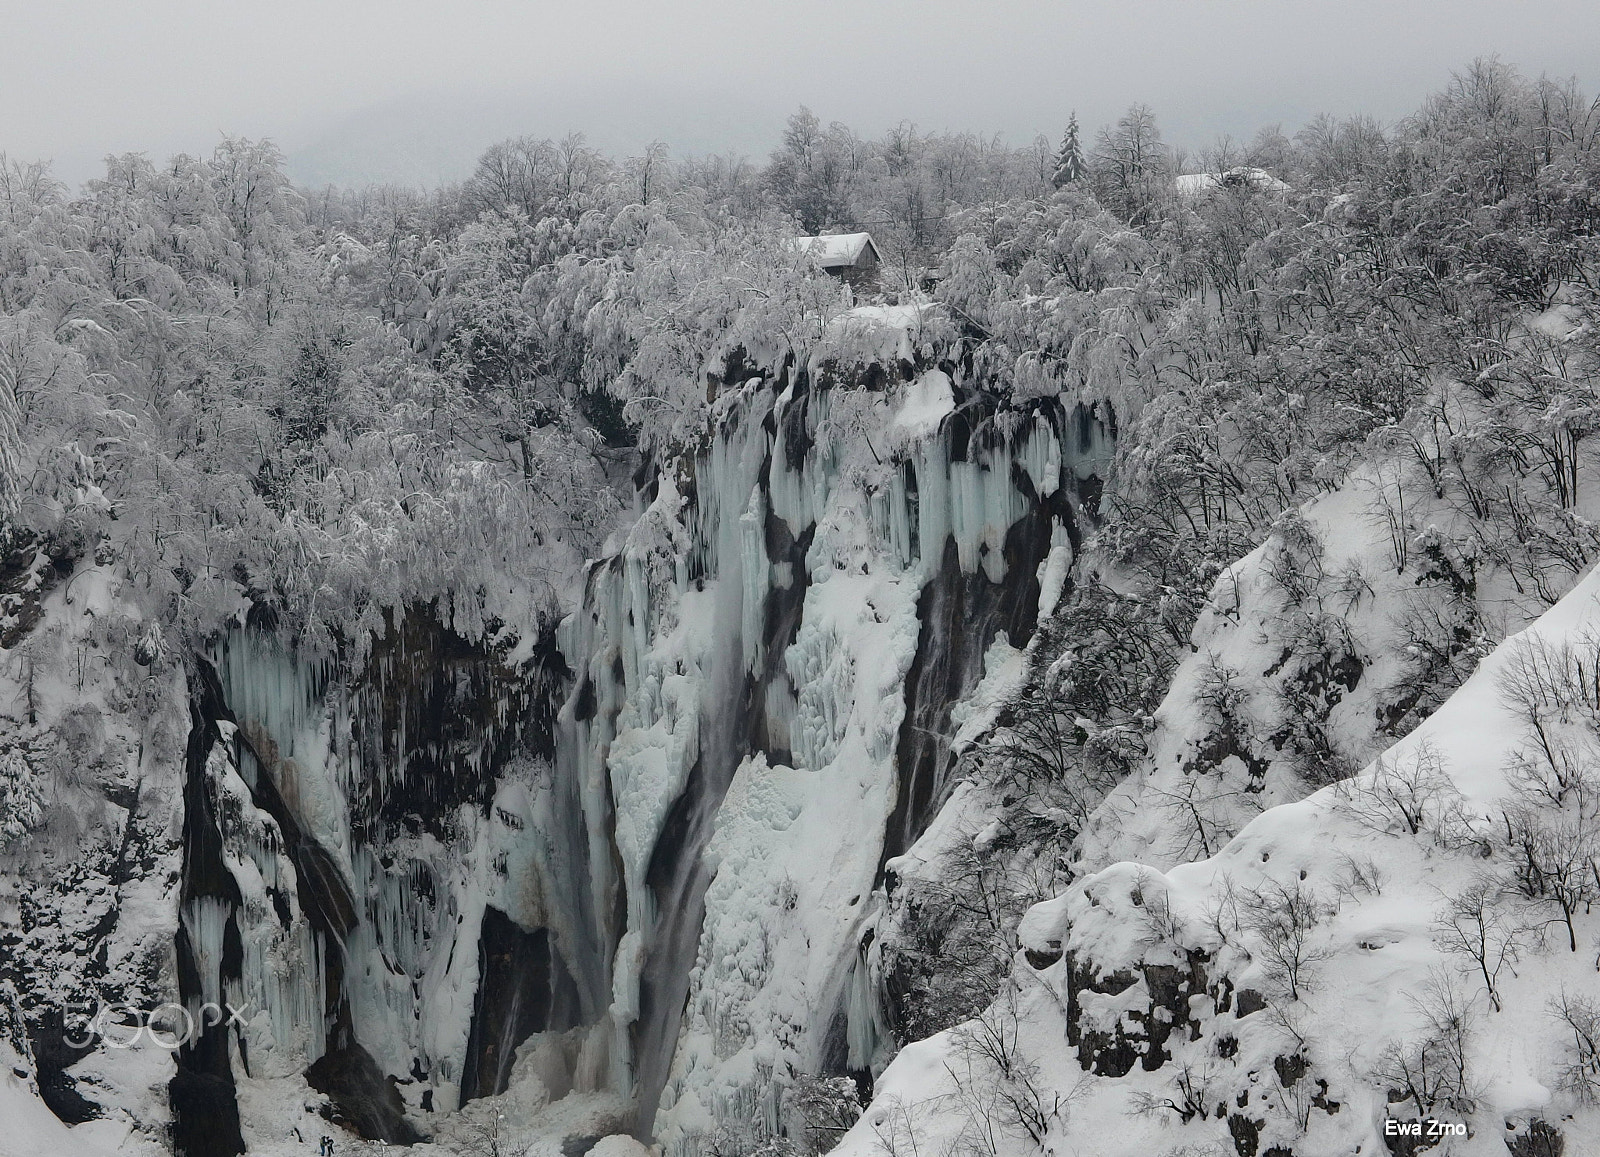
[1579,1018]
[22,794]
[1000,1090]
[821,1110]
[1482,923]
[1431,1067]
[1285,920]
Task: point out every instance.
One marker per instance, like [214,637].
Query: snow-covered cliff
[766,674]
[1401,961]
[627,864]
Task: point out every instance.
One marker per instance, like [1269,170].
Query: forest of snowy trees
[307,409]
[331,401]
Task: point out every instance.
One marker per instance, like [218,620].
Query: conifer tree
[1069,159]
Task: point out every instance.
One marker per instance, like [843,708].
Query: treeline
[335,401]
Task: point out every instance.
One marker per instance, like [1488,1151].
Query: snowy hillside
[1413,944]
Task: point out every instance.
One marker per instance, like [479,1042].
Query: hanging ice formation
[654,845]
[353,847]
[765,678]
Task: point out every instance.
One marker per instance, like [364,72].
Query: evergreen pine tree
[1069,158]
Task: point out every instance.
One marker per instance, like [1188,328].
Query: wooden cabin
[851,257]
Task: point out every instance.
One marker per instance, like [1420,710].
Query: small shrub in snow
[1360,877]
[1294,556]
[1350,587]
[1039,747]
[1551,821]
[1579,1017]
[821,1110]
[1221,914]
[896,1126]
[1554,772]
[1440,639]
[1554,692]
[1292,1096]
[954,942]
[1161,924]
[1557,858]
[734,1141]
[1191,1093]
[1222,696]
[1201,815]
[1543,681]
[998,1087]
[1388,511]
[484,1133]
[1033,745]
[1540,545]
[1410,790]
[1430,1066]
[1477,923]
[1225,710]
[1285,921]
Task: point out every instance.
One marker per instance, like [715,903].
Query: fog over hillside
[405,92]
[434,140]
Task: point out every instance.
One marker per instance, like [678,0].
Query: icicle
[205,919]
[933,499]
[900,514]
[1054,569]
[756,574]
[865,1030]
[1040,455]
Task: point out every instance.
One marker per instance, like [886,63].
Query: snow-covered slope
[1311,655]
[31,1129]
[1316,978]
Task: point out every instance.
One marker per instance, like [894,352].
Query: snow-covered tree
[1069,165]
[1131,165]
[22,796]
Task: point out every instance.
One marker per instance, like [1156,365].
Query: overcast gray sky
[398,89]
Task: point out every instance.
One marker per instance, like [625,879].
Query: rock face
[1157,1003]
[91,808]
[766,674]
[347,871]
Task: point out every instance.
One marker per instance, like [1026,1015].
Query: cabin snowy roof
[1195,184]
[838,250]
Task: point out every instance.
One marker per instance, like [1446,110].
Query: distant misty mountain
[432,140]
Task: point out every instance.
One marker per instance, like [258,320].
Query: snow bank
[31,1130]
